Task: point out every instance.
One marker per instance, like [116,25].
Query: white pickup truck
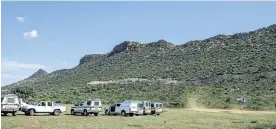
[44,107]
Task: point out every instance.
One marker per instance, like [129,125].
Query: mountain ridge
[221,61]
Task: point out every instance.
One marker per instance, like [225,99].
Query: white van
[87,107]
[126,108]
[157,108]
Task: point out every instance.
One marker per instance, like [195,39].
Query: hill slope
[215,71]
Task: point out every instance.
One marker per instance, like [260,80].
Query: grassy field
[171,119]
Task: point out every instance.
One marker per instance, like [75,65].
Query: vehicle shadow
[78,114]
[6,115]
[35,115]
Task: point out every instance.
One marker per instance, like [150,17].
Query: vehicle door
[85,106]
[89,106]
[147,107]
[75,107]
[140,108]
[118,108]
[79,108]
[112,108]
[152,107]
[158,108]
[41,107]
[50,107]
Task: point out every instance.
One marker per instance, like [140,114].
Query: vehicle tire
[131,114]
[157,114]
[14,114]
[123,113]
[106,112]
[136,114]
[84,113]
[31,112]
[72,112]
[96,114]
[56,112]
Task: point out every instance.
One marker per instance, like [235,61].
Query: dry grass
[171,119]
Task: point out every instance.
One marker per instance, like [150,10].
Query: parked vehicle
[43,107]
[10,104]
[87,107]
[156,108]
[126,108]
[146,107]
[143,108]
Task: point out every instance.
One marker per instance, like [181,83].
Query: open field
[171,119]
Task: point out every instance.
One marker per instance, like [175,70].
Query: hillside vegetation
[214,72]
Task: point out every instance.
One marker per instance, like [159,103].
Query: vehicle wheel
[14,114]
[123,113]
[72,112]
[157,114]
[106,112]
[96,114]
[84,113]
[31,112]
[136,114]
[56,112]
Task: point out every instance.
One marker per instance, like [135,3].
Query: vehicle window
[81,103]
[42,104]
[11,100]
[147,104]
[2,99]
[158,105]
[152,105]
[49,103]
[76,104]
[118,105]
[140,105]
[96,103]
[89,103]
